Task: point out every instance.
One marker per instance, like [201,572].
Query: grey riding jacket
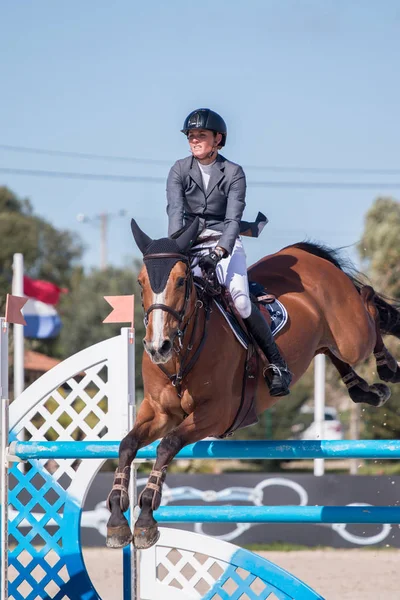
[220,207]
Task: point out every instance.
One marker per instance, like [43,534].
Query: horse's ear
[142,240]
[188,236]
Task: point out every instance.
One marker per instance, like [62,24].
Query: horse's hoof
[145,537]
[118,537]
[388,374]
[382,391]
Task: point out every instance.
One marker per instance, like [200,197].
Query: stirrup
[277,370]
[281,379]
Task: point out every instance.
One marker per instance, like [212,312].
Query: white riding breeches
[231,272]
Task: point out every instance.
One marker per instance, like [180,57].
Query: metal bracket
[11,457]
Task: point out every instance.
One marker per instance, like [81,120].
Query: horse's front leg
[192,429]
[150,425]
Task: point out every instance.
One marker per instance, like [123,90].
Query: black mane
[389,321]
[330,254]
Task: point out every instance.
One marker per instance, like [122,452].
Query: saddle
[273,310]
[276,316]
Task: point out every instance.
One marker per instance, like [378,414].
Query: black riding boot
[260,330]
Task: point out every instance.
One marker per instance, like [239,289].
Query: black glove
[208,263]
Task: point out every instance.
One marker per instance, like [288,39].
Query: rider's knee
[243,305]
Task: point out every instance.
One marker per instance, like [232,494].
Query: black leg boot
[260,330]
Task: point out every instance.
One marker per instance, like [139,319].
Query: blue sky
[300,84]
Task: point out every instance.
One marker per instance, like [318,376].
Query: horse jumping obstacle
[91,395]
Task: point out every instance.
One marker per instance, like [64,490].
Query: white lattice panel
[189,566]
[190,571]
[85,397]
[183,565]
[100,371]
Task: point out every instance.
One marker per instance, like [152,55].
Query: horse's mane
[387,306]
[333,255]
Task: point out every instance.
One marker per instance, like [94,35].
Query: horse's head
[167,288]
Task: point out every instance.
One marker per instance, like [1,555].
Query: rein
[185,367]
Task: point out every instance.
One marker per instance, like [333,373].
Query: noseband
[179,316]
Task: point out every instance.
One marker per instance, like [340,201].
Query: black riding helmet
[204,118]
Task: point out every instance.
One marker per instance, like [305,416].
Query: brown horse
[193,366]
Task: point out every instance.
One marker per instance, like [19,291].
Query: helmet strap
[214,150]
[210,154]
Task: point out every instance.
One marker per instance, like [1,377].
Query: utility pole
[354,434]
[319,407]
[103,240]
[103,219]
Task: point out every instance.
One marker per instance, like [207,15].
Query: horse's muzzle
[159,354]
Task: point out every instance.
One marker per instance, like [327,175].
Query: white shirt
[205,171]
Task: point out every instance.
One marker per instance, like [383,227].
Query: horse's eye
[139,283]
[180,282]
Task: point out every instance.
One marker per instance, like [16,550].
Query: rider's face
[202,142]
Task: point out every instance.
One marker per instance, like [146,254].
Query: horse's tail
[389,315]
[388,308]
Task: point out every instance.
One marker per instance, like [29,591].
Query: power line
[89,156]
[92,176]
[325,185]
[350,185]
[150,161]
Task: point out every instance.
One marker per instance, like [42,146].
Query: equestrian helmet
[204,118]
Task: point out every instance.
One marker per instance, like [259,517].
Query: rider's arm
[236,202]
[175,199]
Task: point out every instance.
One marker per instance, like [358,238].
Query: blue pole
[278,514]
[282,450]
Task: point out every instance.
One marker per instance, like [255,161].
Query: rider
[208,186]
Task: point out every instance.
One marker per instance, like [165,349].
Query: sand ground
[334,574]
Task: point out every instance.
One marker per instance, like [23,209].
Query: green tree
[49,253]
[379,249]
[83,310]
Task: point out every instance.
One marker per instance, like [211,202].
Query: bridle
[179,316]
[187,362]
